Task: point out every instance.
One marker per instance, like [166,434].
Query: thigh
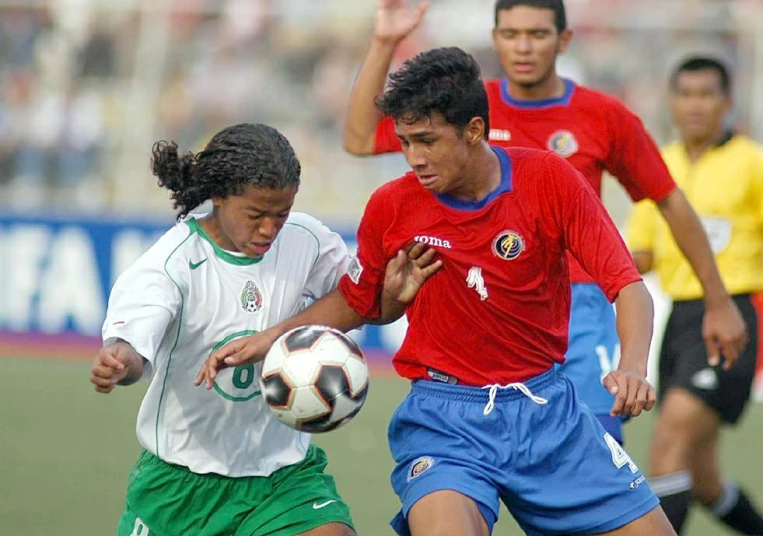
[440,444]
[569,476]
[593,350]
[654,523]
[447,513]
[301,498]
[158,495]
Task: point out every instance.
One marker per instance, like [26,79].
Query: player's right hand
[242,351]
[110,367]
[395,19]
[633,394]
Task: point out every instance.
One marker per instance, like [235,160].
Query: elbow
[358,145]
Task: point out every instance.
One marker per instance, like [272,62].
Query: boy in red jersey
[534,107]
[489,418]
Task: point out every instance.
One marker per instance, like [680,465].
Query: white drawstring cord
[518,386]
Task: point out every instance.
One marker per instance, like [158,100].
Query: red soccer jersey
[498,309]
[593,131]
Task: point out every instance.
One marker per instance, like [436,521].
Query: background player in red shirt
[534,107]
[489,416]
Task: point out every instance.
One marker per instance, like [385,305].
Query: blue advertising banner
[56,274]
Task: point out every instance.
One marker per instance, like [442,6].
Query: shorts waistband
[440,389]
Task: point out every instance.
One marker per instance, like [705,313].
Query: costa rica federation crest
[563,143]
[508,245]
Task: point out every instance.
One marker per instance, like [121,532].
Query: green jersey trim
[177,338]
[220,252]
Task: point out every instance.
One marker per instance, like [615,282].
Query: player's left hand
[242,351]
[633,394]
[408,270]
[724,332]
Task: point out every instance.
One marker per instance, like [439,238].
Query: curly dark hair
[235,157]
[445,80]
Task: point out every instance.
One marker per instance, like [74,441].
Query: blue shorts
[593,352]
[552,465]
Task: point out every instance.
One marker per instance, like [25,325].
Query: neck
[211,226]
[550,88]
[481,176]
[696,147]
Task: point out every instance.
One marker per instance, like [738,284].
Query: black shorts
[683,360]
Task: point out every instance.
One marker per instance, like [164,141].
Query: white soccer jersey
[186,297]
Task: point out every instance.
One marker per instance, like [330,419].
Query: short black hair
[445,80]
[703,63]
[557,6]
[237,156]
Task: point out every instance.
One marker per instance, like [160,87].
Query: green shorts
[170,500]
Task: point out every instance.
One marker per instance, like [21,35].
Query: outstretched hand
[407,271]
[395,20]
[633,394]
[237,352]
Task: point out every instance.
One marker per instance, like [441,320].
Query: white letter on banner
[126,247]
[72,285]
[25,247]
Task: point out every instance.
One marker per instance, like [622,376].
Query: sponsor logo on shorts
[420,465]
[636,483]
[318,506]
[140,528]
[706,379]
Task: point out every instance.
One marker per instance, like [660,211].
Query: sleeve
[385,139]
[641,226]
[361,286]
[331,264]
[584,228]
[142,304]
[634,158]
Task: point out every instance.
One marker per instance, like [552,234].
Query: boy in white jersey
[216,462]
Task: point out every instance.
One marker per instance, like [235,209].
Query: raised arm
[394,21]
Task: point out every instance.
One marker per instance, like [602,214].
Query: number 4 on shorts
[140,528]
[619,456]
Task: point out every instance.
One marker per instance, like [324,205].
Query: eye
[508,34]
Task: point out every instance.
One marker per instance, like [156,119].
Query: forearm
[635,321]
[134,363]
[692,241]
[362,114]
[331,310]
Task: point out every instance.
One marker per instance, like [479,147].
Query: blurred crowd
[87,86]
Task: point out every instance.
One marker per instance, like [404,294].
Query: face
[436,152]
[249,223]
[699,104]
[527,43]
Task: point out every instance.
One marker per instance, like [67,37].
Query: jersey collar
[539,104]
[227,256]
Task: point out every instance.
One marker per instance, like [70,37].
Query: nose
[415,157]
[268,228]
[523,43]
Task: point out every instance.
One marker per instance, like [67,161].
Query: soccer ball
[314,379]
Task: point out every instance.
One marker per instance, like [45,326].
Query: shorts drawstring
[517,386]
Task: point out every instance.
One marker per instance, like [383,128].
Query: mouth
[523,67]
[260,248]
[427,181]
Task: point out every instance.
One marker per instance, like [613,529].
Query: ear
[217,201]
[474,132]
[564,40]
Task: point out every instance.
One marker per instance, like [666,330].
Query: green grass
[65,452]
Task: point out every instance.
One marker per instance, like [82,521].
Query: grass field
[65,453]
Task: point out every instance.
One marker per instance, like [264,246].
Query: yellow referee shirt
[725,187]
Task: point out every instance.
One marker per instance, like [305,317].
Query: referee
[721,173]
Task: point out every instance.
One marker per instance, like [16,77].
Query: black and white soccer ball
[314,379]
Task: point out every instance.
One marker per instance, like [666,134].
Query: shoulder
[671,150]
[600,104]
[747,146]
[400,189]
[531,164]
[301,227]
